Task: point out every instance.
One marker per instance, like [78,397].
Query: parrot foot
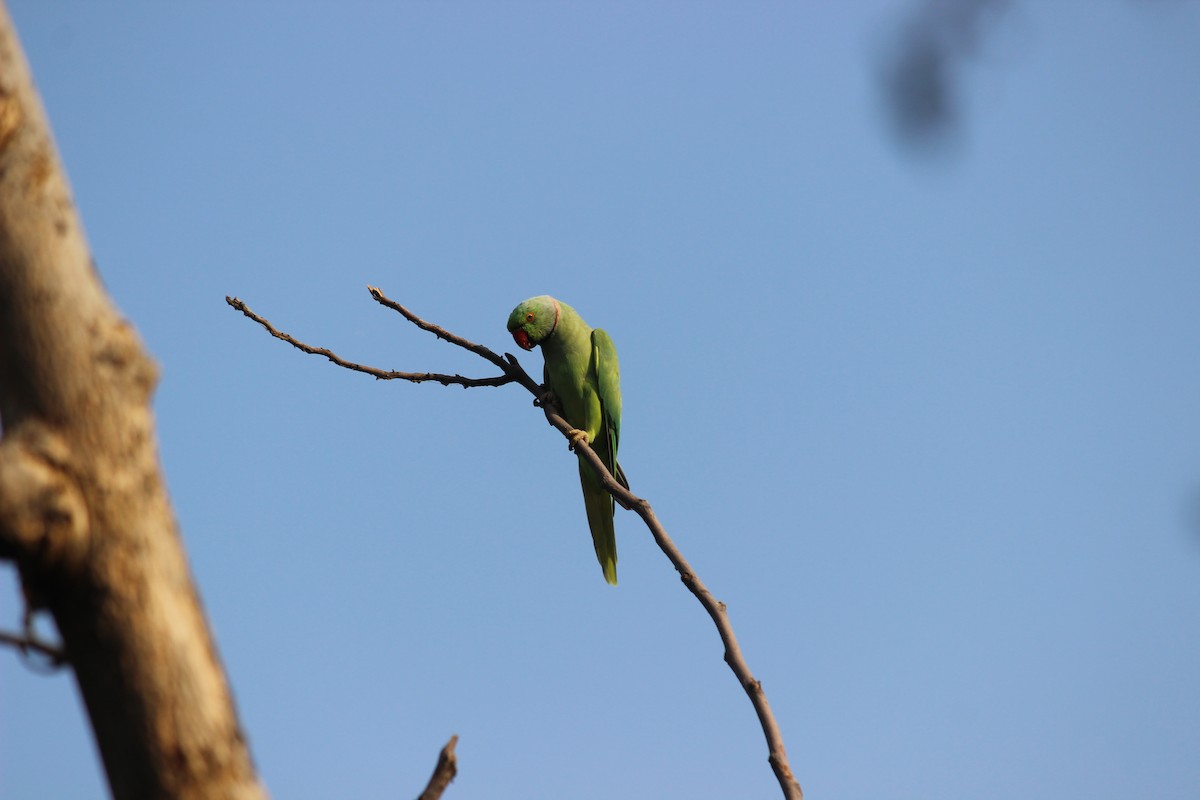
[576,436]
[545,400]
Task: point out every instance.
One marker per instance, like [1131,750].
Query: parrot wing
[608,387]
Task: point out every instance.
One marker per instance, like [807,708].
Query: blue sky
[928,425]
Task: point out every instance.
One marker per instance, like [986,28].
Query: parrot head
[532,322]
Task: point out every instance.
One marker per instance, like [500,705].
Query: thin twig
[716,609]
[378,374]
[512,369]
[28,644]
[443,773]
[514,373]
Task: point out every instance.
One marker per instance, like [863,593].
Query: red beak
[522,339]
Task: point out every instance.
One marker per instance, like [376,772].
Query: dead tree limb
[84,512]
[512,372]
[443,772]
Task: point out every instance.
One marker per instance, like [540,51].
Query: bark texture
[84,510]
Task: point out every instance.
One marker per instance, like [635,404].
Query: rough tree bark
[84,510]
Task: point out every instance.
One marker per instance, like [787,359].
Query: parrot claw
[576,436]
[545,400]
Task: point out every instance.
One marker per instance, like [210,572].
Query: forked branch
[512,372]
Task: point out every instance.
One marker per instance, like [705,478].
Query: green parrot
[582,372]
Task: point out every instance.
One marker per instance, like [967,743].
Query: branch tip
[443,773]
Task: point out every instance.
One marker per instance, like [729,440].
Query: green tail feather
[599,505]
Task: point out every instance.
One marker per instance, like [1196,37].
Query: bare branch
[509,363]
[26,644]
[716,609]
[514,373]
[436,330]
[378,374]
[443,773]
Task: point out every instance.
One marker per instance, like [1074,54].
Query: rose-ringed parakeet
[581,371]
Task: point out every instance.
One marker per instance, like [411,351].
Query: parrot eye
[529,317]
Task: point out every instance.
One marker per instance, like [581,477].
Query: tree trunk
[84,510]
